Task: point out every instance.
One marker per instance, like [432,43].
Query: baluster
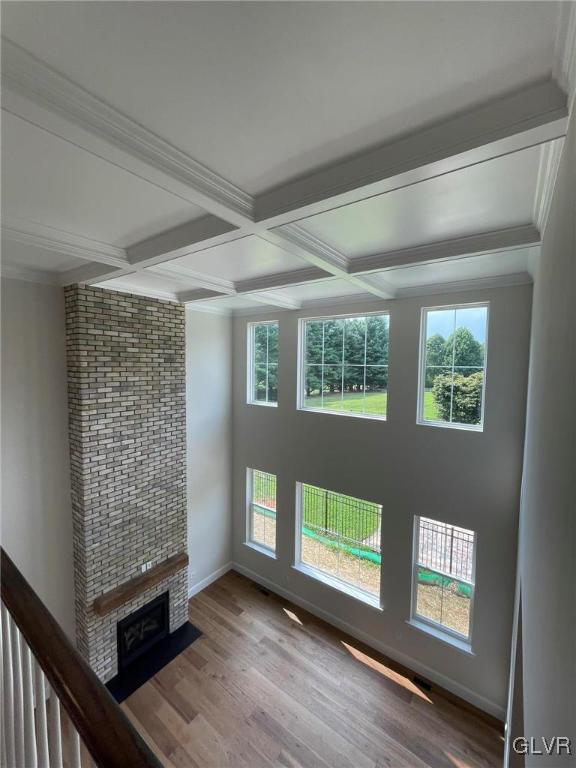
[55,731]
[29,726]
[76,759]
[43,752]
[8,697]
[3,755]
[18,694]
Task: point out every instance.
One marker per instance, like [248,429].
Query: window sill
[264,405]
[328,412]
[330,581]
[261,549]
[460,645]
[451,425]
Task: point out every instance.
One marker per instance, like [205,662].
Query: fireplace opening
[141,630]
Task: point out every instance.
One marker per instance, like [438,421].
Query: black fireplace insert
[141,630]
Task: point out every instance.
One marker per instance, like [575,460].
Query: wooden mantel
[109,601]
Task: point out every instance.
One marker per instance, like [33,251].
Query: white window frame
[420,420]
[251,362]
[440,630]
[369,598]
[302,364]
[249,539]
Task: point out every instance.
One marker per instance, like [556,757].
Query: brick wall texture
[127,423]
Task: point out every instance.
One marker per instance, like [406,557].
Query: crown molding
[460,286]
[564,70]
[550,155]
[119,287]
[312,248]
[13,272]
[32,78]
[486,242]
[56,240]
[257,311]
[336,301]
[200,307]
[199,279]
[272,299]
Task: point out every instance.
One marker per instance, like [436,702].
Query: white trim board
[445,682]
[214,576]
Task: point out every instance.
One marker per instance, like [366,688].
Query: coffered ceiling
[238,156]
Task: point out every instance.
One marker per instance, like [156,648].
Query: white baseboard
[203,583]
[450,685]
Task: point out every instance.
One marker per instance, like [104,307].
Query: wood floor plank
[269,685]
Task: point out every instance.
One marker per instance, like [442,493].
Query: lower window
[340,537]
[443,576]
[262,509]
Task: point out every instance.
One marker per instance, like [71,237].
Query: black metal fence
[446,548]
[342,518]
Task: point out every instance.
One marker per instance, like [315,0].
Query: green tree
[459,398]
[435,353]
[462,349]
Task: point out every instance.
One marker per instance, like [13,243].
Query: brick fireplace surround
[127,425]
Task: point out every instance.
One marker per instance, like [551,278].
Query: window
[261,509]
[453,366]
[340,537]
[443,576]
[263,363]
[345,365]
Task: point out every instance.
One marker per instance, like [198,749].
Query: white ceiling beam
[281,280]
[44,97]
[92,273]
[485,242]
[47,99]
[518,113]
[198,295]
[171,244]
[273,300]
[308,247]
[57,241]
[320,254]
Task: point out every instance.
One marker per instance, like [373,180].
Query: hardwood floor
[270,685]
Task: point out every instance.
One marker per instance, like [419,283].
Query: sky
[443,321]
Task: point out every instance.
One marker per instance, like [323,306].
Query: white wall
[208,417]
[36,508]
[467,478]
[547,559]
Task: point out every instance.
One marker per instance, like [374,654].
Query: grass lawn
[342,515]
[374,403]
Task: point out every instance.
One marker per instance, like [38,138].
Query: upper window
[262,509]
[345,365]
[443,576]
[453,366]
[263,363]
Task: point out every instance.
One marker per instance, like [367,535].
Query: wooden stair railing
[42,670]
